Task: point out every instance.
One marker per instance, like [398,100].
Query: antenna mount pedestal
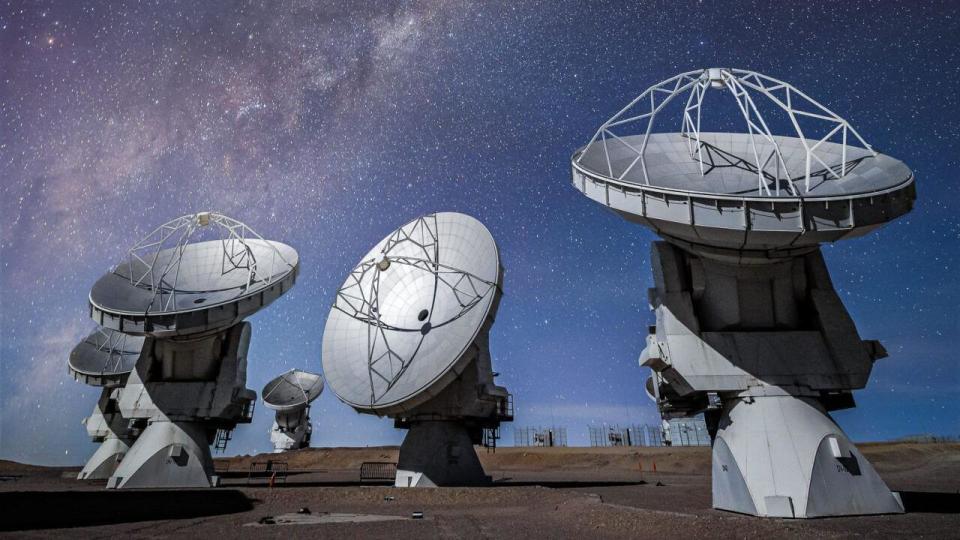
[775,344]
[439,447]
[439,453]
[782,456]
[185,390]
[167,455]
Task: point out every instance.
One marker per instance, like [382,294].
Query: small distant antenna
[290,396]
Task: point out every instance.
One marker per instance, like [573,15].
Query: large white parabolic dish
[403,319]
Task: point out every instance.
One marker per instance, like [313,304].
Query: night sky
[327,126]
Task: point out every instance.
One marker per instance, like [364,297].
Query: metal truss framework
[713,157]
[176,234]
[359,298]
[743,86]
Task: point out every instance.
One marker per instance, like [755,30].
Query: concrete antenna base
[167,455]
[439,453]
[105,460]
[782,456]
[112,431]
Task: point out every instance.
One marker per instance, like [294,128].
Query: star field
[327,125]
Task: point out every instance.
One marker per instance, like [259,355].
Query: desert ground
[536,493]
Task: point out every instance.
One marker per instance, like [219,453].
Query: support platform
[782,456]
[168,455]
[439,453]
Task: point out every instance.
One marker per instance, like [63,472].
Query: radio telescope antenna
[407,337]
[105,359]
[290,396]
[749,326]
[186,287]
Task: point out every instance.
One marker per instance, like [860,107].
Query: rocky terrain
[537,492]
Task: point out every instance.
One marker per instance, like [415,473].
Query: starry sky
[326,125]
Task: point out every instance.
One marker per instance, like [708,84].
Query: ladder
[222,438]
[490,436]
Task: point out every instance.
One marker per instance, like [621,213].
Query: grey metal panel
[669,208]
[729,488]
[596,191]
[624,200]
[828,215]
[846,484]
[774,217]
[719,214]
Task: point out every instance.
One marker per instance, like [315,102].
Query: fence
[680,432]
[540,436]
[615,435]
[689,432]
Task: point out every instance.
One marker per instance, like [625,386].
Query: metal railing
[378,471]
[271,470]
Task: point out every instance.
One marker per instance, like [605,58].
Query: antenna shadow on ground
[27,510]
[930,502]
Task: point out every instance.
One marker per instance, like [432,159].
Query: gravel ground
[539,501]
